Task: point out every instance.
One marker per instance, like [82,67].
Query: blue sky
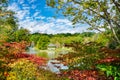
[36,16]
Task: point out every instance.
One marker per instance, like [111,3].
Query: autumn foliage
[17,51]
[15,47]
[12,53]
[84,75]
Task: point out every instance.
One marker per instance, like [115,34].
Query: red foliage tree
[84,75]
[17,50]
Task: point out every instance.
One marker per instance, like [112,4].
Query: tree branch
[117,5]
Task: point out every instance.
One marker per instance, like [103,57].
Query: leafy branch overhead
[99,14]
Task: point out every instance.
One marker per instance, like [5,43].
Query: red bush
[83,75]
[109,60]
[17,50]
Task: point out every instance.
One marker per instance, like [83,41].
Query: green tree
[96,13]
[20,35]
[7,22]
[7,28]
[34,38]
[43,42]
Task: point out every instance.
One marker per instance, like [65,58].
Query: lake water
[52,64]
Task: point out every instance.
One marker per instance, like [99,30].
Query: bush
[110,70]
[23,70]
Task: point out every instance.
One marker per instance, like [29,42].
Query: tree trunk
[114,33]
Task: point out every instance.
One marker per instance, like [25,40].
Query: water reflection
[51,54]
[52,65]
[32,50]
[55,66]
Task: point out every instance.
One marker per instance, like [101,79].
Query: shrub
[23,70]
[110,70]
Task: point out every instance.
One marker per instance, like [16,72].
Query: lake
[52,64]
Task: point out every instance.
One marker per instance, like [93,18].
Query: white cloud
[31,1]
[66,21]
[21,1]
[38,23]
[21,14]
[40,17]
[51,27]
[36,14]
[26,8]
[13,7]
